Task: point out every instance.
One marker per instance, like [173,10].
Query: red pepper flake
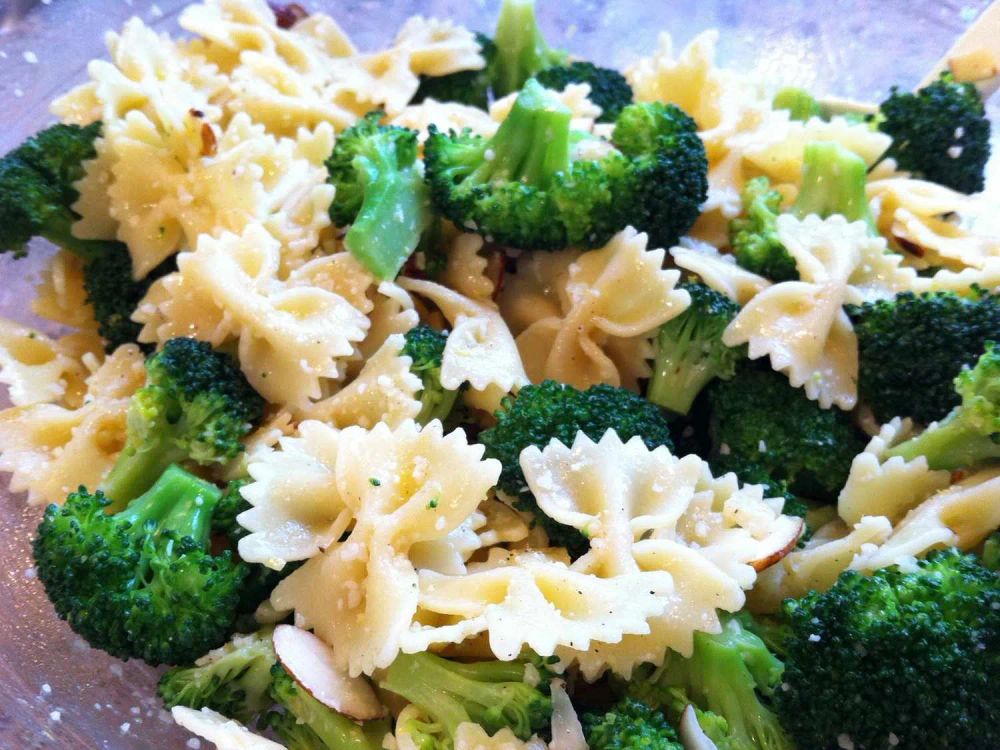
[910,247]
[209,146]
[288,14]
[196,113]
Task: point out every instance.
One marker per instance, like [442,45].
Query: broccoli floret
[234,679]
[800,103]
[754,236]
[306,724]
[196,405]
[608,88]
[690,352]
[629,725]
[380,193]
[833,182]
[521,51]
[425,347]
[533,186]
[141,583]
[231,505]
[757,416]
[555,411]
[896,659]
[940,133]
[970,434]
[36,195]
[493,694]
[470,87]
[912,347]
[731,676]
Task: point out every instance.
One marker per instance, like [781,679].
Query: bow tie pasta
[290,337]
[402,487]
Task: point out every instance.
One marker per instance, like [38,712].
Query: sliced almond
[691,734]
[310,663]
[766,562]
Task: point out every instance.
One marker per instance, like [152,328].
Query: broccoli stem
[521,49]
[178,502]
[333,729]
[491,695]
[800,104]
[680,375]
[833,182]
[953,443]
[533,142]
[394,214]
[134,469]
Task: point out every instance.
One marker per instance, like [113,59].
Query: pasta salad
[466,394]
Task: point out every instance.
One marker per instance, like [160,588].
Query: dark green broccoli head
[757,416]
[114,294]
[141,583]
[380,193]
[234,680]
[912,347]
[307,724]
[730,678]
[554,411]
[36,188]
[493,694]
[425,347]
[534,185]
[896,659]
[196,405]
[940,133]
[970,434]
[690,352]
[470,87]
[521,50]
[231,504]
[668,174]
[608,88]
[754,235]
[629,725]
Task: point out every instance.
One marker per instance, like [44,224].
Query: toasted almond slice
[310,663]
[774,557]
[691,734]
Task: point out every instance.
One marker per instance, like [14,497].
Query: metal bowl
[56,692]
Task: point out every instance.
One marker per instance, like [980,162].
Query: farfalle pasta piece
[533,292]
[297,510]
[290,337]
[934,225]
[249,176]
[722,102]
[439,47]
[50,450]
[403,487]
[529,599]
[720,272]
[37,369]
[962,516]
[480,350]
[877,486]
[816,567]
[648,510]
[801,325]
[392,312]
[620,290]
[384,391]
[61,296]
[446,116]
[466,270]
